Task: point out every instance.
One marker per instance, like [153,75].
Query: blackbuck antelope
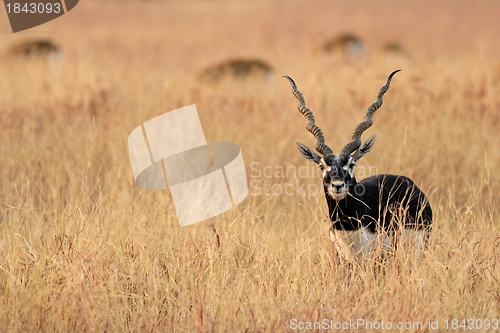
[375,213]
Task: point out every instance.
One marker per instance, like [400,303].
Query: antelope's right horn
[320,145]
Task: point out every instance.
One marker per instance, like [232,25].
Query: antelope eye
[350,166]
[321,167]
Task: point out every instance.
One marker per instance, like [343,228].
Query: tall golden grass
[83,249]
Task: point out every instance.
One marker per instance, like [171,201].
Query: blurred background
[80,241]
[112,65]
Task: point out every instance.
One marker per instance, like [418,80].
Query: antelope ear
[365,148]
[308,153]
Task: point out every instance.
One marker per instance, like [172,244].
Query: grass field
[83,249]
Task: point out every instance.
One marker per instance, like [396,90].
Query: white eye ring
[350,166]
[321,167]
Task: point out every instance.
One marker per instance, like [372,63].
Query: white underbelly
[363,243]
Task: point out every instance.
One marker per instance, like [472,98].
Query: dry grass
[83,249]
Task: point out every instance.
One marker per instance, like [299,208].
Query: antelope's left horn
[367,122]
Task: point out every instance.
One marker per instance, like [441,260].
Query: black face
[337,170]
[338,175]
